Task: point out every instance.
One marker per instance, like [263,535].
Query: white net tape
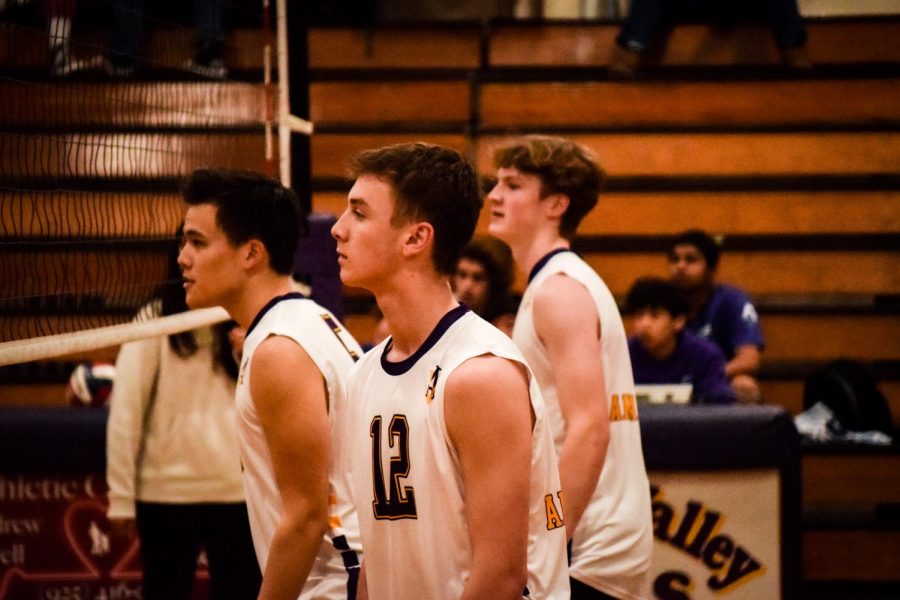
[53,346]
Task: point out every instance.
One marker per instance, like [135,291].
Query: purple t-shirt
[729,319]
[695,361]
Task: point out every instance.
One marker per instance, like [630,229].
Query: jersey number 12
[400,501]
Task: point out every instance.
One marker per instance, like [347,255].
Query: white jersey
[333,350]
[410,495]
[613,541]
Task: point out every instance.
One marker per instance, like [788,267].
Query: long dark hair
[171,297]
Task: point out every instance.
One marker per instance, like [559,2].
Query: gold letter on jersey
[554,519]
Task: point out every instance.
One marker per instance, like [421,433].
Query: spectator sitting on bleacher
[125,39]
[482,280]
[663,352]
[647,17]
[719,312]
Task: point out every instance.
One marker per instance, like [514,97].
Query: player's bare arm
[290,398]
[566,321]
[489,420]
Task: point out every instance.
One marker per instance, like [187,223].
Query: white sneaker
[215,69]
[61,64]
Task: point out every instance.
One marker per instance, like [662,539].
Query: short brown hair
[563,167]
[431,183]
[251,205]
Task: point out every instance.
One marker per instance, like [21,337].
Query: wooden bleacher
[798,172]
[805,190]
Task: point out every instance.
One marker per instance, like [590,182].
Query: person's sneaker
[62,64]
[624,62]
[208,61]
[59,62]
[796,58]
[214,69]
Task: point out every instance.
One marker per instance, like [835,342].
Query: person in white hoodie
[173,465]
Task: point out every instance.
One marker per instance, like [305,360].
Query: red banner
[57,544]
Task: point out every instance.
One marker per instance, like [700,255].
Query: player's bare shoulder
[563,304]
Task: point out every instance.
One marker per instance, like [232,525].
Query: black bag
[851,391]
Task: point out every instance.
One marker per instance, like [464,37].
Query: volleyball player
[569,330]
[241,230]
[454,472]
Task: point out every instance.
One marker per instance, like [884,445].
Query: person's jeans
[647,17]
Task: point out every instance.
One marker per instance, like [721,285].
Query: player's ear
[253,253]
[419,236]
[556,205]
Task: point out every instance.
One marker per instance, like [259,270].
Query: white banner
[716,535]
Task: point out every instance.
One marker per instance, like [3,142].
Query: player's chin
[347,277]
[495,228]
[194,298]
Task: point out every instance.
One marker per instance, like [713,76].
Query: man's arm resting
[487,409]
[710,384]
[290,398]
[566,321]
[746,361]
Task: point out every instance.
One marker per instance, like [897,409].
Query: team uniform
[729,319]
[410,496]
[336,568]
[613,541]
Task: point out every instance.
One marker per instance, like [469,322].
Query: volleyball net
[96,138]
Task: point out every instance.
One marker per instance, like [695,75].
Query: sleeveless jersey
[334,351]
[613,541]
[410,495]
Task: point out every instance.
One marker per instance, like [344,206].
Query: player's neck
[528,252]
[258,291]
[412,313]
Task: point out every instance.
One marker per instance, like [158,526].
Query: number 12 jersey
[408,487]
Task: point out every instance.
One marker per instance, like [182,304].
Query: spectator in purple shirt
[664,352]
[718,312]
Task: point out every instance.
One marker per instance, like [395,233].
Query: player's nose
[338,230]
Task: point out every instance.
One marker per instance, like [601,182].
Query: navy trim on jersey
[270,304]
[351,564]
[544,260]
[399,368]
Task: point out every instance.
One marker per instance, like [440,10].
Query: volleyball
[90,384]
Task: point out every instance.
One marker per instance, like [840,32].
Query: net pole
[284,110]
[271,91]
